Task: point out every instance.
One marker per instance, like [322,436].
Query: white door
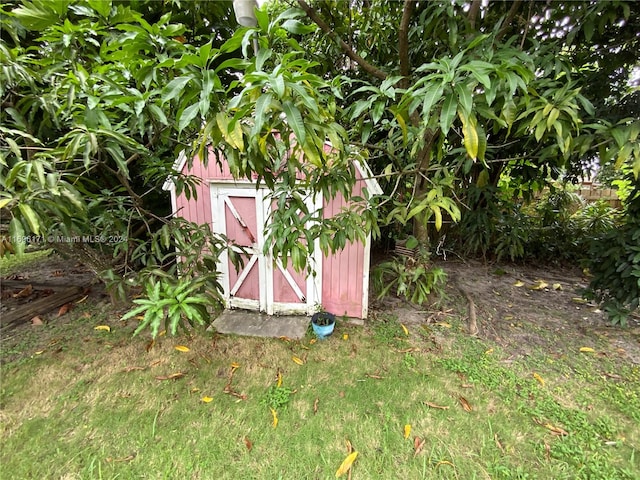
[262,283]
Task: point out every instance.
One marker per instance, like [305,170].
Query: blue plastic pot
[328,321]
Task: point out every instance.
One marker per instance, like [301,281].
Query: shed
[239,210]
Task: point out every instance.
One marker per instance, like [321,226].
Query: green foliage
[171,305]
[177,270]
[614,261]
[556,227]
[415,279]
[277,397]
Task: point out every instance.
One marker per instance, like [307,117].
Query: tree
[468,91]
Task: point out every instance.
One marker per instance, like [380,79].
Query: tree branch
[403,42]
[366,66]
[515,6]
[473,13]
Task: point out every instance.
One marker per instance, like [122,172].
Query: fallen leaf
[207,399]
[284,339]
[150,345]
[248,443]
[132,368]
[105,328]
[172,376]
[445,462]
[587,350]
[64,309]
[82,299]
[182,348]
[376,377]
[557,286]
[539,285]
[443,324]
[465,404]
[345,336]
[578,300]
[275,418]
[315,405]
[347,442]
[128,458]
[297,360]
[556,430]
[312,341]
[519,283]
[25,292]
[433,405]
[489,352]
[39,352]
[418,445]
[346,464]
[36,321]
[407,430]
[547,450]
[279,381]
[405,330]
[235,366]
[195,390]
[539,379]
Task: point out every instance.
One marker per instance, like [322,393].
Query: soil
[521,314]
[514,309]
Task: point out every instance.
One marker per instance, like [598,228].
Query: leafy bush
[178,276]
[614,261]
[413,278]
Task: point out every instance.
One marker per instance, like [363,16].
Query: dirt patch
[524,309]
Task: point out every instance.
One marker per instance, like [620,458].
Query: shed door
[262,283]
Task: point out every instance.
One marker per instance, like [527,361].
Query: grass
[90,404]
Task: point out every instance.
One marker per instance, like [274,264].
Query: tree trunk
[420,227]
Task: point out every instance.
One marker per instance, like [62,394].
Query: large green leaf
[448,112]
[187,115]
[294,119]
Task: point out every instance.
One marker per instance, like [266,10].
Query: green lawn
[83,403]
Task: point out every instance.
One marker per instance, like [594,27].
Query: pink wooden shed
[239,210]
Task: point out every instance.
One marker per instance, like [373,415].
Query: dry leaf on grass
[206,399]
[182,348]
[418,445]
[539,378]
[315,405]
[465,404]
[407,430]
[587,350]
[248,443]
[346,464]
[297,360]
[36,321]
[105,328]
[433,405]
[173,376]
[275,418]
[405,330]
